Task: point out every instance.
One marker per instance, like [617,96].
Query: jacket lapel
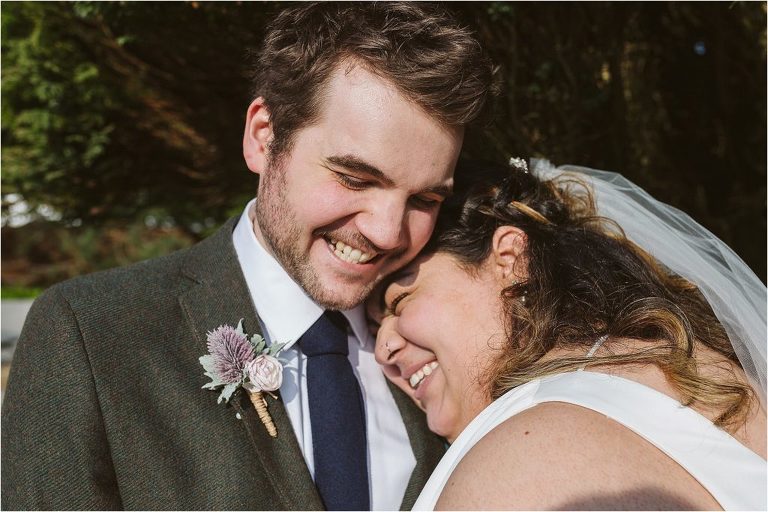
[280,456]
[218,294]
[428,448]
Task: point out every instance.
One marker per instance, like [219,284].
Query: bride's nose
[388,341]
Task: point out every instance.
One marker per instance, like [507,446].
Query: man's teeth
[417,377]
[348,253]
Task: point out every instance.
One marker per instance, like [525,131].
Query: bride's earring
[515,282]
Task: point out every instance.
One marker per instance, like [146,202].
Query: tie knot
[328,335]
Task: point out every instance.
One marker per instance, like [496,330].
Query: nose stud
[389,351]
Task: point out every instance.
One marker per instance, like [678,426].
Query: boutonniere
[234,360]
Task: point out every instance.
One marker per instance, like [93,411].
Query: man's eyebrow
[444,191]
[356,164]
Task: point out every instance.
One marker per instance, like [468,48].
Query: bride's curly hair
[585,280]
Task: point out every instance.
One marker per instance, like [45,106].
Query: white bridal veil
[735,293]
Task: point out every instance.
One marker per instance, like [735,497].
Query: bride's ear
[507,249]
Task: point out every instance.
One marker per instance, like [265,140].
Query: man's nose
[384,224]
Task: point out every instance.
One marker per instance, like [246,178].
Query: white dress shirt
[286,312]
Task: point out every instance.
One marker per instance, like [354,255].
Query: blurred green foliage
[41,253]
[111,109]
[114,110]
[19,292]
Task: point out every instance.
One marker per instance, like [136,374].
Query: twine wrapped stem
[260,403]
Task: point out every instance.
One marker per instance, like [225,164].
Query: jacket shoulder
[146,281]
[131,282]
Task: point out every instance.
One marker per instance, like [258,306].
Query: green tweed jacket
[104,407]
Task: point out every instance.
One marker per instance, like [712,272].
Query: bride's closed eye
[392,306]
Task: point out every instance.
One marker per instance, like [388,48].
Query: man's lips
[348,253]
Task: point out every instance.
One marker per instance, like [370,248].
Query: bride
[569,368]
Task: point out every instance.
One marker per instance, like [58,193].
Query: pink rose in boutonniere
[234,360]
[265,373]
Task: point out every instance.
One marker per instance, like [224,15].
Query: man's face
[357,195]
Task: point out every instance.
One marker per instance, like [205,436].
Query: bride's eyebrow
[397,276]
[381,303]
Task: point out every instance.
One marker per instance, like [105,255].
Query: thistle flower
[231,351]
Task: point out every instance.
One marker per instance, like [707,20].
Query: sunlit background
[121,121]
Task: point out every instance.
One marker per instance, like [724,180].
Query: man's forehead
[357,81]
[367,126]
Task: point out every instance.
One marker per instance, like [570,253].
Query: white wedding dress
[733,474]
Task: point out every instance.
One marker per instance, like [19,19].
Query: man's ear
[257,136]
[508,247]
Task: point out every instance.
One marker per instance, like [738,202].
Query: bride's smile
[425,371]
[437,351]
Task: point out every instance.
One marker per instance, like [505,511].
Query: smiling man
[355,130]
[357,196]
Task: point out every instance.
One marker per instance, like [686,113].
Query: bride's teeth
[426,370]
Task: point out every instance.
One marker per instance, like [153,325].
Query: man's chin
[333,289]
[330,299]
[339,296]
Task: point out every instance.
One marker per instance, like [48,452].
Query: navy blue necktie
[337,415]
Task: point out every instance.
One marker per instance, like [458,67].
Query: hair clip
[519,164]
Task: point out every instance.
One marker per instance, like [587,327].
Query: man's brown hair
[423,51]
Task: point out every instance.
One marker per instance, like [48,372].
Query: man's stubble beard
[279,228]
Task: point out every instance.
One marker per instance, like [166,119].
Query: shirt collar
[282,305]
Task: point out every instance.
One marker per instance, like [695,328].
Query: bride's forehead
[424,269]
[406,277]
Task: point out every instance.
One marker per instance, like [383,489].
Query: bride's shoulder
[541,458]
[562,456]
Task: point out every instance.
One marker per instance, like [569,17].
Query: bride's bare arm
[559,456]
